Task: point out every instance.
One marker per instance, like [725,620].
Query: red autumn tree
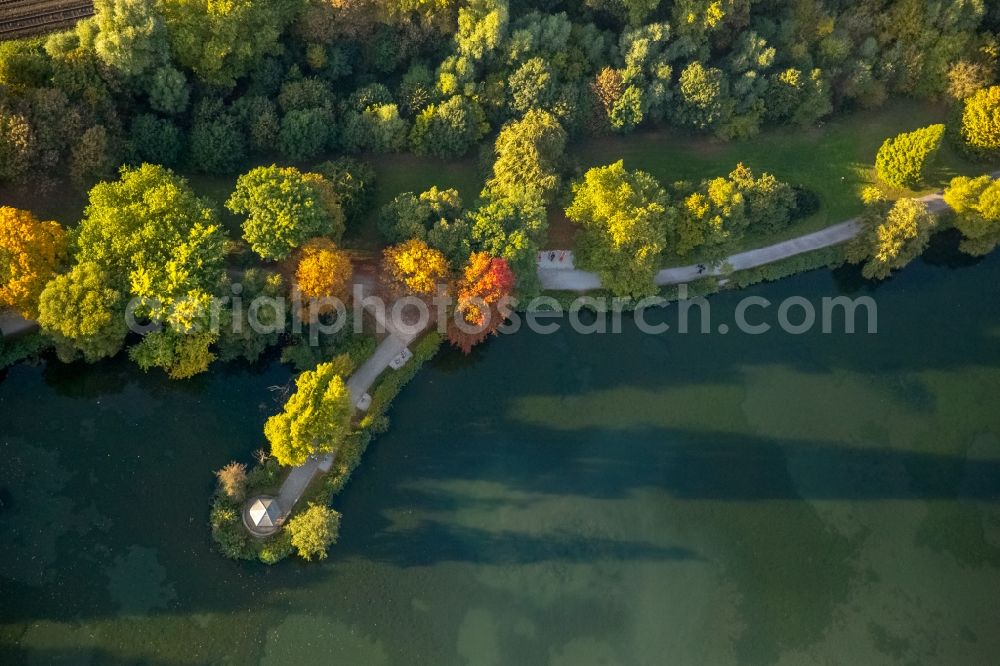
[483,293]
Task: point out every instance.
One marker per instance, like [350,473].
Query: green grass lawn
[835,161]
[409,173]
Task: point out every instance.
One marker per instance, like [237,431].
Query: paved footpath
[358,383]
[12,324]
[561,274]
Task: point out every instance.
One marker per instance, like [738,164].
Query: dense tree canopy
[315,420]
[448,129]
[891,237]
[153,235]
[976,202]
[623,217]
[146,236]
[412,216]
[283,208]
[82,312]
[131,36]
[222,41]
[295,78]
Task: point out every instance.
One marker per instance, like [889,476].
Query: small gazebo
[263,515]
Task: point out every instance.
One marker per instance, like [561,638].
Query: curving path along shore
[358,383]
[563,276]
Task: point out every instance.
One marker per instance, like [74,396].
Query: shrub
[276,548]
[233,480]
[313,531]
[228,531]
[903,160]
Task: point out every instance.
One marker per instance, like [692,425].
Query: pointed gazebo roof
[265,512]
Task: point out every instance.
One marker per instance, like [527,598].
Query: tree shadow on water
[433,542]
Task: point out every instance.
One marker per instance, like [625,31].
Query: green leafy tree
[306,93]
[976,202]
[94,157]
[411,216]
[482,26]
[306,133]
[712,217]
[627,113]
[154,140]
[131,36]
[448,129]
[704,101]
[220,42]
[903,160]
[528,155]
[648,73]
[259,118]
[531,86]
[378,128]
[168,89]
[354,183]
[181,353]
[623,217]
[17,145]
[154,236]
[82,312]
[314,531]
[770,203]
[315,420]
[216,142]
[284,207]
[890,238]
[512,229]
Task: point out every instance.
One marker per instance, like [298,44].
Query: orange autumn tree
[413,268]
[323,271]
[30,252]
[483,300]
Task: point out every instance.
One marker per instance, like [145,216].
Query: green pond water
[561,499]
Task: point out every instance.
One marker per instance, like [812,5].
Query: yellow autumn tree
[323,271]
[413,268]
[30,252]
[981,120]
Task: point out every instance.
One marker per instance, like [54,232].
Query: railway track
[25,18]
